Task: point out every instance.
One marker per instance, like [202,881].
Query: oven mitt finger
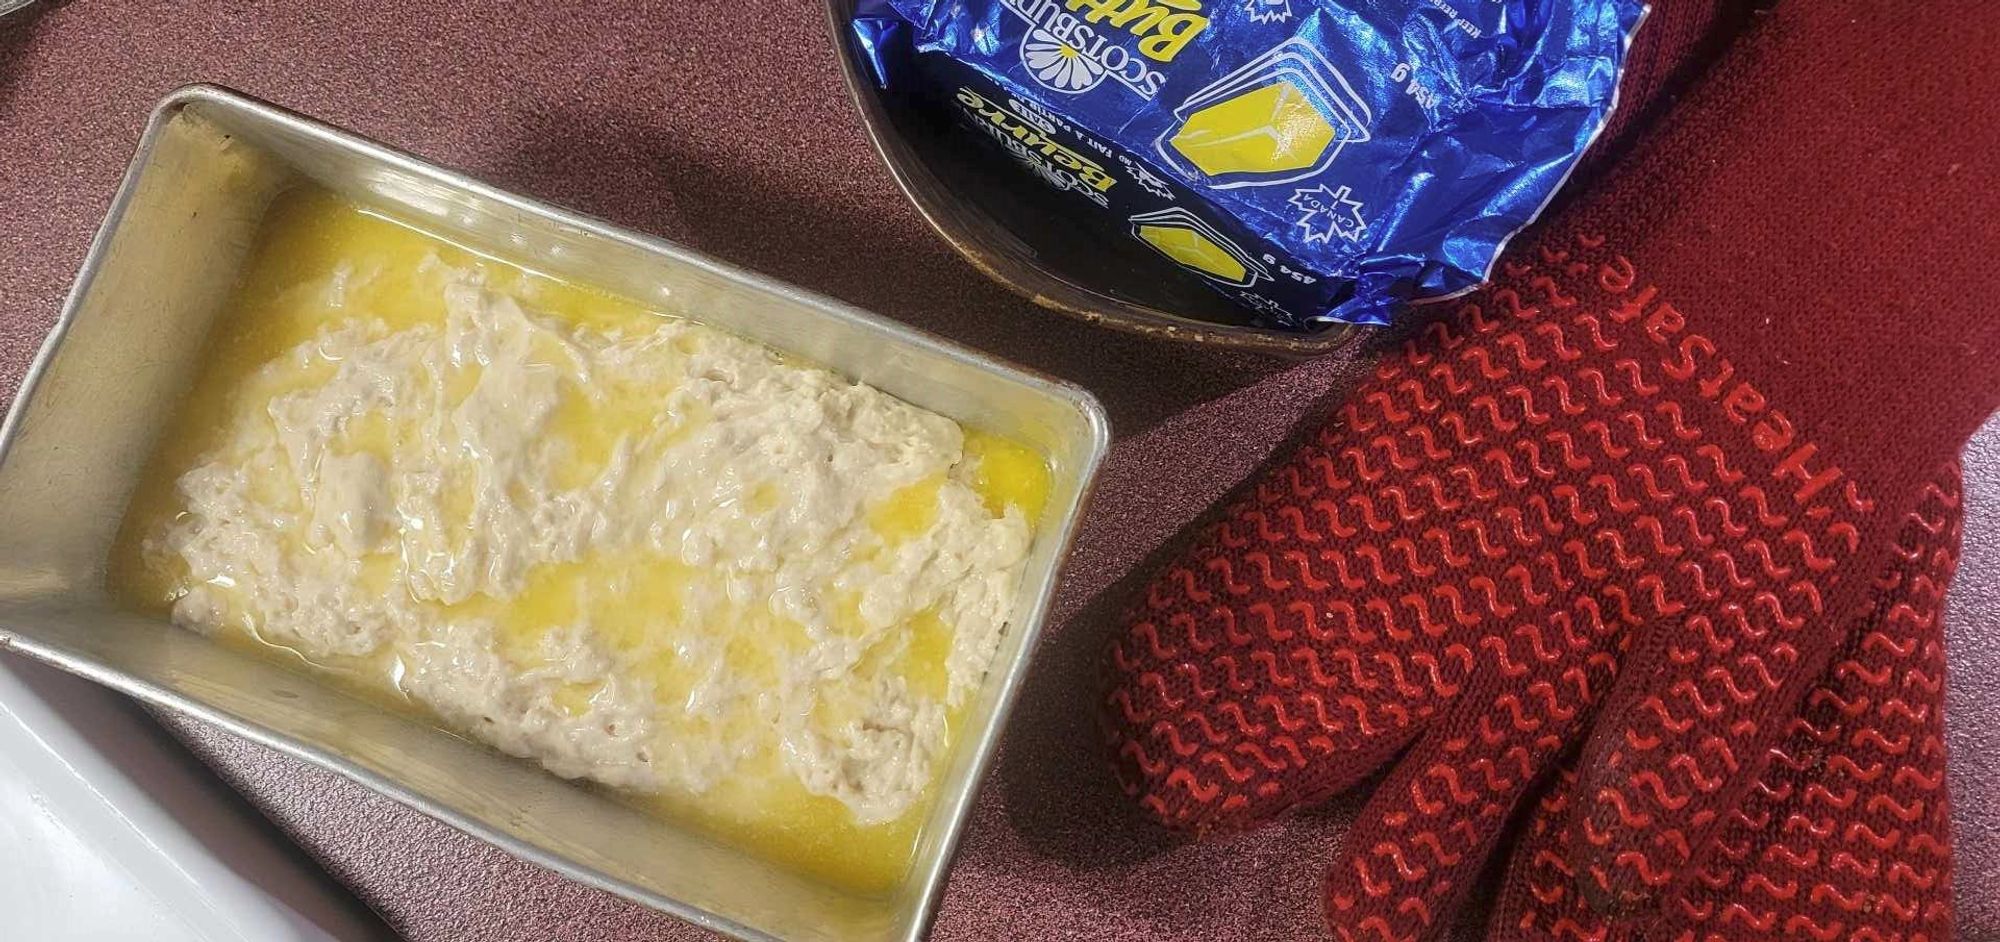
[1847,834]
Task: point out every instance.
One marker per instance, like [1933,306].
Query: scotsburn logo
[1072,46]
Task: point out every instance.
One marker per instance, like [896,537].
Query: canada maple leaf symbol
[1268,11]
[1329,212]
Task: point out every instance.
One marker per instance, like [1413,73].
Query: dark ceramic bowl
[1019,233]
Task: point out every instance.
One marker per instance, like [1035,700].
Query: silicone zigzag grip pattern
[1847,835]
[1459,560]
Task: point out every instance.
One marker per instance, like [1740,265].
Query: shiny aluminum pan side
[130,339]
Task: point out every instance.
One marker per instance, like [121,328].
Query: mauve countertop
[724,126]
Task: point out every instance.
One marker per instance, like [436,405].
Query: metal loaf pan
[130,339]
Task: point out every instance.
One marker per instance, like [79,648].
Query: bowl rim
[1046,289]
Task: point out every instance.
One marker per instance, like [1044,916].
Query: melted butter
[908,511]
[1005,474]
[920,658]
[781,820]
[923,662]
[1008,474]
[316,253]
[552,597]
[575,698]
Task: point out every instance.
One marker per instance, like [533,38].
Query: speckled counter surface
[724,126]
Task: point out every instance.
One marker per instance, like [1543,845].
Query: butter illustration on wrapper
[1274,120]
[1312,160]
[1184,238]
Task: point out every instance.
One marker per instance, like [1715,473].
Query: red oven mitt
[1669,448]
[1847,835]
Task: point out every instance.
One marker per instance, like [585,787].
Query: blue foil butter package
[1313,160]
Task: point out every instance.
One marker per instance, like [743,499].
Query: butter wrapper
[1313,160]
